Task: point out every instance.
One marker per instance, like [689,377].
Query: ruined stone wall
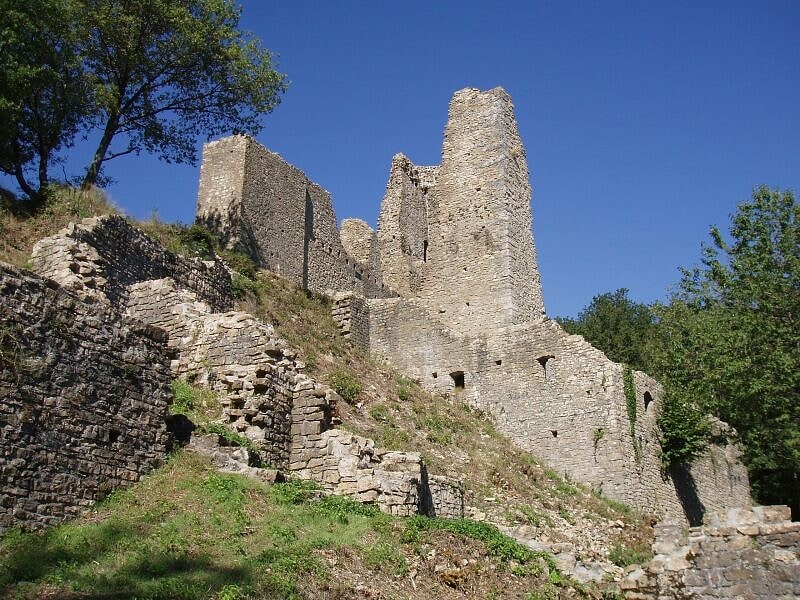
[83,400]
[403,235]
[350,314]
[361,243]
[351,465]
[560,398]
[286,415]
[107,255]
[740,553]
[287,222]
[481,265]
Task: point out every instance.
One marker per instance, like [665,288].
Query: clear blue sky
[644,122]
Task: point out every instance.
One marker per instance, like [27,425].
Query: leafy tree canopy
[618,326]
[146,75]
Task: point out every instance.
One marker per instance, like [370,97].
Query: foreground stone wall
[740,553]
[83,400]
[106,255]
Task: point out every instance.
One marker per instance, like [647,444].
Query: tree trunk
[93,172]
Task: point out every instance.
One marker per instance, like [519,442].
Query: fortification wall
[103,256]
[561,399]
[287,222]
[740,553]
[481,264]
[83,400]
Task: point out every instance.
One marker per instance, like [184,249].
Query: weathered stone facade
[454,242]
[739,553]
[83,400]
[257,202]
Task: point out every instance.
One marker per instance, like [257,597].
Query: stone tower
[458,237]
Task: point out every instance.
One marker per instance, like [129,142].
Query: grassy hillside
[189,532]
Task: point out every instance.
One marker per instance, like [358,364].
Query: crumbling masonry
[448,291]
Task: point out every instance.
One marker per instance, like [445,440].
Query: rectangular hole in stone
[458,379]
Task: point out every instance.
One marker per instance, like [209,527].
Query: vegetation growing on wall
[629,389]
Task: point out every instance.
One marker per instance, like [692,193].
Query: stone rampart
[107,255]
[256,201]
[83,400]
[454,241]
[560,398]
[739,553]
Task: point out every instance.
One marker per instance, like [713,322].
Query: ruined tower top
[465,234]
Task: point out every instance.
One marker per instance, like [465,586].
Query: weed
[623,556]
[564,514]
[199,404]
[345,384]
[405,388]
[386,558]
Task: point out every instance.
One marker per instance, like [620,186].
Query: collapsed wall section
[287,221]
[104,256]
[83,401]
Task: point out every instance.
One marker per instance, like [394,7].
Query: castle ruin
[448,291]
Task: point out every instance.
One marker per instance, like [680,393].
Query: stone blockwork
[265,396]
[739,553]
[83,400]
[107,255]
[259,203]
[560,398]
[403,234]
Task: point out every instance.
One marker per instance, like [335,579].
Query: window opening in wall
[425,251]
[458,380]
[648,398]
[554,432]
[498,362]
[547,366]
[434,374]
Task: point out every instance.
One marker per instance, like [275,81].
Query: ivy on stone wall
[629,389]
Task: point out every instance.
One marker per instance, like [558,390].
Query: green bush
[345,384]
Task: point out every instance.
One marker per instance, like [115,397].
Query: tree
[616,325]
[43,94]
[154,75]
[731,339]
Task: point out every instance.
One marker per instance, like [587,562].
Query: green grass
[622,555]
[188,531]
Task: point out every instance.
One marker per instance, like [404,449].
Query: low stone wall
[107,254]
[351,465]
[740,553]
[83,400]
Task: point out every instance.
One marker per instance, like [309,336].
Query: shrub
[345,384]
